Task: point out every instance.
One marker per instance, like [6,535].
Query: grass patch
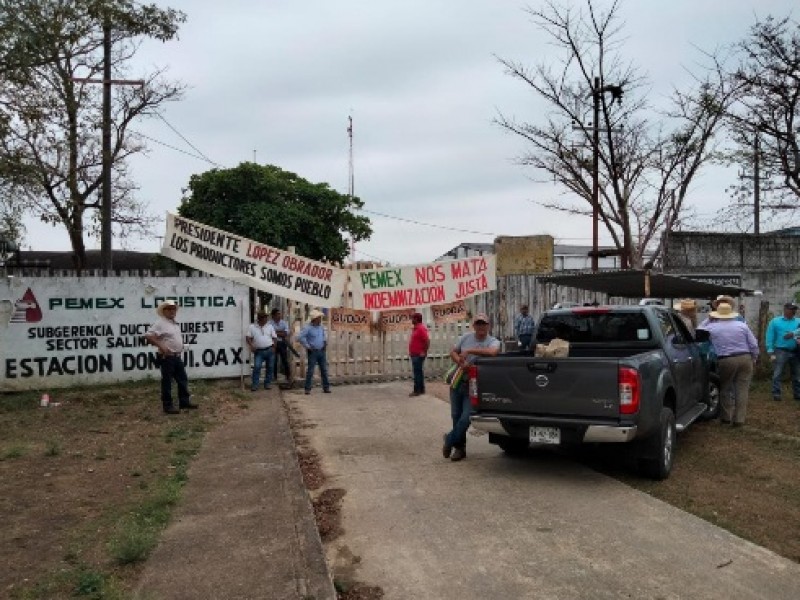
[137,533]
[15,451]
[52,448]
[109,525]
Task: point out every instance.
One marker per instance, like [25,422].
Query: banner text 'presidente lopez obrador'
[260,266]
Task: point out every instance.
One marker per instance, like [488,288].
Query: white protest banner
[253,263]
[423,285]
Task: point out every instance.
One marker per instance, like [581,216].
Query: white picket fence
[362,358]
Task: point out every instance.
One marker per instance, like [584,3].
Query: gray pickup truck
[634,375]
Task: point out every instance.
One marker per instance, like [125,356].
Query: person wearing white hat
[468,347]
[261,338]
[314,338]
[165,334]
[737,352]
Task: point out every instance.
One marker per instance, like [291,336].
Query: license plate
[545,435]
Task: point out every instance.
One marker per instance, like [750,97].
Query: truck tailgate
[587,387]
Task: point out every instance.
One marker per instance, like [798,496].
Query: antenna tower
[351,181]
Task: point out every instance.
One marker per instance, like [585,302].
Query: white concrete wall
[67,331]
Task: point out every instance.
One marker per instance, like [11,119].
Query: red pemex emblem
[26,309]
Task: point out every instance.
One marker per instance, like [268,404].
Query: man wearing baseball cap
[781,343]
[469,347]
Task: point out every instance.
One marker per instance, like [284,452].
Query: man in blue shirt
[314,339]
[523,328]
[782,349]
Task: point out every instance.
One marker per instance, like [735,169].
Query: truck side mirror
[702,335]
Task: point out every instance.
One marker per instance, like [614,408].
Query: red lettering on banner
[471,287]
[307,268]
[429,274]
[263,253]
[468,267]
[404,298]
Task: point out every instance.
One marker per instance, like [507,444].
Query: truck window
[600,327]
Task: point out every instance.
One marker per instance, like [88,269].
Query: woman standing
[737,353]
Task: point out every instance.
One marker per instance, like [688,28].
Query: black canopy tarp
[632,283]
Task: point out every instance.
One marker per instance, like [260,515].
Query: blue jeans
[172,368]
[261,356]
[525,341]
[460,410]
[417,363]
[781,358]
[317,357]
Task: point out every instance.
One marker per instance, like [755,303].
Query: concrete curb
[318,580]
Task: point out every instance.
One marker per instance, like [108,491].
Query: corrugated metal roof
[631,283]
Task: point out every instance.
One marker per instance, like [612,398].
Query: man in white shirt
[165,334]
[261,340]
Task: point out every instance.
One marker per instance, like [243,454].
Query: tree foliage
[768,108]
[51,147]
[646,159]
[276,207]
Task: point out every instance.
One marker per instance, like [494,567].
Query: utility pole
[757,185]
[106,255]
[756,177]
[616,94]
[595,173]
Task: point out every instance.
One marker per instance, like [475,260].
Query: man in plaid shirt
[524,327]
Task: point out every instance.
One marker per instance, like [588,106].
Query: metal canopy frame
[633,283]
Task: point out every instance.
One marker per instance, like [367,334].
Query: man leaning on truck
[468,347]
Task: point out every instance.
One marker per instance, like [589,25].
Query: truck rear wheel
[657,451]
[509,445]
[712,398]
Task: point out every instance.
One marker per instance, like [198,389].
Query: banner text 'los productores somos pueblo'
[423,285]
[252,263]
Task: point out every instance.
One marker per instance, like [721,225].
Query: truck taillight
[629,390]
[472,374]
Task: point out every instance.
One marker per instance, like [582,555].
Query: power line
[159,142]
[183,137]
[372,212]
[378,258]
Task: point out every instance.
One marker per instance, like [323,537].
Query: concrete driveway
[496,527]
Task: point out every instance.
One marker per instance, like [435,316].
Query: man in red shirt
[418,345]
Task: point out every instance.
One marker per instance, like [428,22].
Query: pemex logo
[26,309]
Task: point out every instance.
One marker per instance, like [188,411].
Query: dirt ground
[69,472]
[742,479]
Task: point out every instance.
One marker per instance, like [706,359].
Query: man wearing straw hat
[314,339]
[737,353]
[261,339]
[165,334]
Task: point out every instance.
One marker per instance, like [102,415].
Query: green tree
[276,207]
[51,145]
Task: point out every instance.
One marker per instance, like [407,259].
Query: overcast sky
[276,80]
